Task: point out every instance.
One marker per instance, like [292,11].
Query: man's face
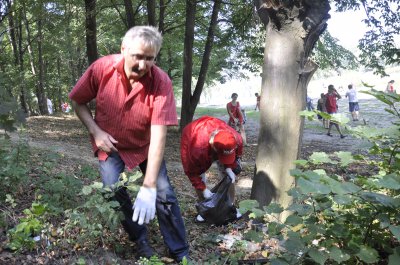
[139,58]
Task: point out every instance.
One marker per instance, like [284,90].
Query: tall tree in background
[292,29]
[130,17]
[189,100]
[91,31]
[151,12]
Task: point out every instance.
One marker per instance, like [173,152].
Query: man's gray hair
[148,34]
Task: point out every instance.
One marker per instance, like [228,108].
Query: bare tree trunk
[91,30]
[151,12]
[286,73]
[161,27]
[189,102]
[187,110]
[22,96]
[42,101]
[130,18]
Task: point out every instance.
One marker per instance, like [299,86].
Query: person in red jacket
[205,141]
[331,108]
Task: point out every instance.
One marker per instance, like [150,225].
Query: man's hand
[231,174]
[144,208]
[104,141]
[207,194]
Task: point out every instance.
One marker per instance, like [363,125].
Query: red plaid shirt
[196,153]
[126,116]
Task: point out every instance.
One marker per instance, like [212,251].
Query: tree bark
[161,22]
[130,18]
[42,101]
[22,97]
[91,31]
[189,101]
[151,12]
[292,30]
[187,111]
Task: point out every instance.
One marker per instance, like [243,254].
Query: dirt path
[66,136]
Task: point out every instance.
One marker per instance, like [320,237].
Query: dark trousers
[168,212]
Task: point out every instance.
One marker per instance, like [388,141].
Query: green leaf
[368,254]
[273,208]
[293,220]
[338,255]
[301,162]
[247,205]
[395,231]
[378,198]
[296,172]
[301,209]
[394,259]
[349,187]
[312,187]
[254,236]
[318,256]
[97,185]
[294,245]
[391,181]
[38,209]
[86,190]
[320,157]
[346,158]
[256,213]
[343,199]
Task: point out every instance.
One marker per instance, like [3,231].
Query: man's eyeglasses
[141,57]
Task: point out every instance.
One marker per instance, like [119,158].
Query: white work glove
[231,174]
[207,194]
[144,208]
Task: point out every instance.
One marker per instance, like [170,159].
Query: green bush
[337,219]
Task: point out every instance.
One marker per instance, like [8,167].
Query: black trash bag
[218,209]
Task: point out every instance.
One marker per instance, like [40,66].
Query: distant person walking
[331,107]
[321,107]
[310,106]
[353,102]
[236,116]
[390,87]
[258,97]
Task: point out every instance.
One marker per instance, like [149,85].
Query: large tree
[292,29]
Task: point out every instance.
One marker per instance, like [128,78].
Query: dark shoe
[342,136]
[143,250]
[329,134]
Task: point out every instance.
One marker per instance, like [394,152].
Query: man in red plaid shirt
[134,105]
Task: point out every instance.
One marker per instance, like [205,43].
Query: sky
[347,27]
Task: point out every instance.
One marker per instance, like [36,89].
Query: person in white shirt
[354,108]
[49,106]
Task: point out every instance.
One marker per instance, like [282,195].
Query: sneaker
[342,136]
[329,134]
[143,250]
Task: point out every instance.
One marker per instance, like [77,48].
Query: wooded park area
[46,46]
